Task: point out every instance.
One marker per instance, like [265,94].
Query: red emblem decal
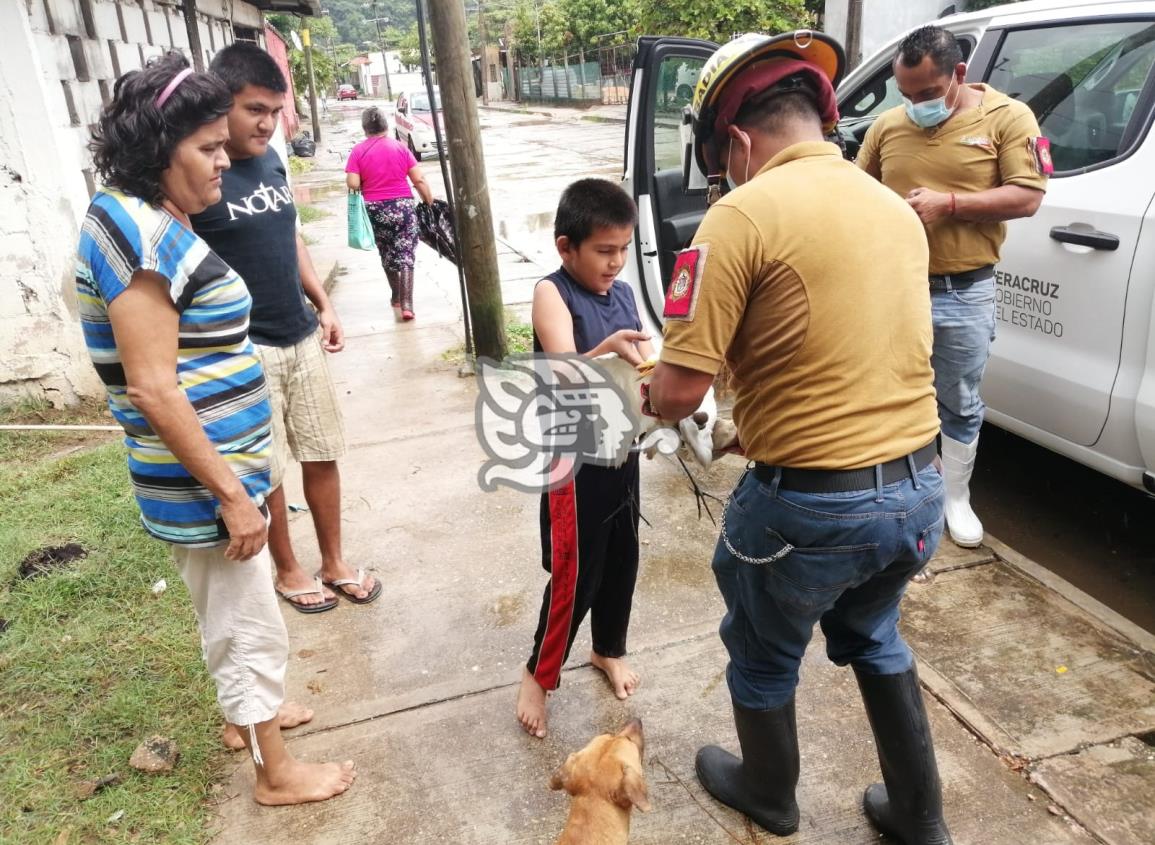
[682,295]
[1043,160]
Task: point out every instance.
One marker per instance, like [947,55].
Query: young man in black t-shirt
[254,229]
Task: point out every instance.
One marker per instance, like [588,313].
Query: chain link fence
[586,77]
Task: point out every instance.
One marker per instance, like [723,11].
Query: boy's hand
[623,342]
[332,335]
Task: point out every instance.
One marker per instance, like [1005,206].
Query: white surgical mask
[930,113]
[730,179]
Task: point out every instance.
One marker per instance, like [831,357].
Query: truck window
[1083,82]
[677,76]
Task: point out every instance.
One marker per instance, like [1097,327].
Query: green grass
[17,447]
[310,213]
[300,166]
[92,663]
[518,333]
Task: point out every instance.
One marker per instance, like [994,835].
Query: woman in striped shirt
[166,324]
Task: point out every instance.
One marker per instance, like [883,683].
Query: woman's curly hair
[133,140]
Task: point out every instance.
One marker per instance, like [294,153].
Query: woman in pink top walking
[382,169]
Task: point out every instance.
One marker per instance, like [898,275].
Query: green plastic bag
[360,230]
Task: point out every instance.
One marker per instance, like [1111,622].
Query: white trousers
[243,638]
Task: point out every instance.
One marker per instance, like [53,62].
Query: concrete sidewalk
[1043,705]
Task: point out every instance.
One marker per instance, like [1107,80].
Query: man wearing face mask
[966,158]
[808,280]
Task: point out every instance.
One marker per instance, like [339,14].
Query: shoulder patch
[1040,147]
[685,284]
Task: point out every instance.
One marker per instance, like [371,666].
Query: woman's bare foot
[531,710]
[295,782]
[621,677]
[289,715]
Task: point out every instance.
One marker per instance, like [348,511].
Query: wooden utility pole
[484,64]
[307,43]
[853,34]
[192,27]
[476,246]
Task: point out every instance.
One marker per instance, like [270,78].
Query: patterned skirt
[395,230]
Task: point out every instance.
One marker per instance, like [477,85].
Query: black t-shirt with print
[254,229]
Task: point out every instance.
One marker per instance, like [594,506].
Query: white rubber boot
[958,462]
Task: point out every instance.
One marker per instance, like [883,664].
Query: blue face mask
[930,113]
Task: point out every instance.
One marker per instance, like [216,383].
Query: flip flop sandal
[340,584]
[289,595]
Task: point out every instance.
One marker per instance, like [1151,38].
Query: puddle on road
[307,194]
[510,226]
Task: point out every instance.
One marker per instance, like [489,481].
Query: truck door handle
[1081,237]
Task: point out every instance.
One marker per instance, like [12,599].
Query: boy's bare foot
[531,705]
[621,677]
[301,783]
[289,715]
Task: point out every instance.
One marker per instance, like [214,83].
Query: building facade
[60,63]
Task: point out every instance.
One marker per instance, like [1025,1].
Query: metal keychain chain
[757,561]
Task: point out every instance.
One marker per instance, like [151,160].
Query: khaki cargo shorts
[306,417]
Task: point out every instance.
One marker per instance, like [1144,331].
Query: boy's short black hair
[933,41]
[244,63]
[590,204]
[133,139]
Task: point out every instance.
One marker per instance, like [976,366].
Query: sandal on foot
[338,586]
[317,589]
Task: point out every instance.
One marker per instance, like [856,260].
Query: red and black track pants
[589,546]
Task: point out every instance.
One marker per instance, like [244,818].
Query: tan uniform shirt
[810,283]
[980,148]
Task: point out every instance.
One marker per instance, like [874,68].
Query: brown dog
[606,781]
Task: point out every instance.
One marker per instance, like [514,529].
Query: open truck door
[660,174]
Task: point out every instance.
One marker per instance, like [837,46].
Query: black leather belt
[962,280]
[846,480]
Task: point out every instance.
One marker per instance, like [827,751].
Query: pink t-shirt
[384,166]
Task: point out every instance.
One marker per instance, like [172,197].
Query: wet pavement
[1042,709]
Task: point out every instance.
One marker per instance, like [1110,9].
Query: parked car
[1073,368]
[413,122]
[346,92]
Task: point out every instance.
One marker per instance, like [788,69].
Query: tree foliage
[721,20]
[554,27]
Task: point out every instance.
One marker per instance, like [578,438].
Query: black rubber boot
[762,783]
[909,807]
[394,288]
[406,285]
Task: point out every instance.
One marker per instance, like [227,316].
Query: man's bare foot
[289,715]
[300,783]
[296,579]
[342,571]
[531,710]
[621,677]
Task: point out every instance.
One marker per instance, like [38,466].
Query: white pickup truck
[1073,368]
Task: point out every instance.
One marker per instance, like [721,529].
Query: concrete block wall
[59,65]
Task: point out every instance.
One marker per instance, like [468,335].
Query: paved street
[1041,698]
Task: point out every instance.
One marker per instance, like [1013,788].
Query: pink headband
[172,86]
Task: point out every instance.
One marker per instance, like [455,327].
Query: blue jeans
[964,327]
[787,560]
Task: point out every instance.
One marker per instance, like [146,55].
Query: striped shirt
[216,367]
